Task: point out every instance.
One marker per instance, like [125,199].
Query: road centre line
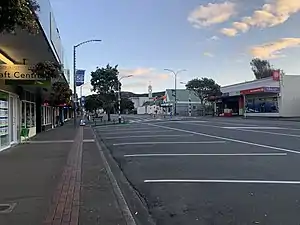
[217,154]
[224,181]
[228,139]
[170,142]
[150,136]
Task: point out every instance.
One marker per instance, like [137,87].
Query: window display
[262,105]
[4,137]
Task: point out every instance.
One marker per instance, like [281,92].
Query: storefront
[9,119]
[268,97]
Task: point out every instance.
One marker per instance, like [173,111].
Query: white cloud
[214,38]
[208,54]
[136,71]
[212,13]
[274,49]
[230,32]
[244,27]
[274,13]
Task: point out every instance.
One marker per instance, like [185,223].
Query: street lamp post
[119,96]
[190,100]
[175,77]
[74,73]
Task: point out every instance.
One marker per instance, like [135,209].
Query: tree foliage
[261,68]
[126,104]
[47,69]
[61,93]
[93,102]
[204,88]
[105,82]
[18,13]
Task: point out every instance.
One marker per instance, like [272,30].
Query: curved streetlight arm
[125,77]
[88,41]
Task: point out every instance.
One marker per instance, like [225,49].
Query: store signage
[18,72]
[252,91]
[272,89]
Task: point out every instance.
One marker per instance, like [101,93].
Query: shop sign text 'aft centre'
[17,72]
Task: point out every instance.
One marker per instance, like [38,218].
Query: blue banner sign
[79,77]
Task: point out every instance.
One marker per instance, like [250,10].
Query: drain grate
[7,208]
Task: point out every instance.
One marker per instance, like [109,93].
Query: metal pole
[119,101]
[175,104]
[190,103]
[74,87]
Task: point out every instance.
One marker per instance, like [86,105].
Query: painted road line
[134,132]
[170,142]
[272,133]
[134,129]
[50,142]
[150,136]
[222,154]
[224,181]
[228,139]
[88,140]
[255,128]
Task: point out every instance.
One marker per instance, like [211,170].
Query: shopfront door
[14,118]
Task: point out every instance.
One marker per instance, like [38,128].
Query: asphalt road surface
[218,171]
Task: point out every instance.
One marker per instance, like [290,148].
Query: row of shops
[24,96]
[276,96]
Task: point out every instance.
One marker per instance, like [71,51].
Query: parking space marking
[170,142]
[224,181]
[255,128]
[134,132]
[217,154]
[273,133]
[228,139]
[150,136]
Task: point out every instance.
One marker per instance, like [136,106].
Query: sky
[207,38]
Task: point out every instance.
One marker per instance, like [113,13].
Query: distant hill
[127,94]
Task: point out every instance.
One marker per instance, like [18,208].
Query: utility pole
[74,76]
[175,78]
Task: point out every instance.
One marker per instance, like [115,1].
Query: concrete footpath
[57,178]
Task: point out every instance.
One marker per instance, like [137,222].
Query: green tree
[126,104]
[93,102]
[105,83]
[61,93]
[203,88]
[261,68]
[18,14]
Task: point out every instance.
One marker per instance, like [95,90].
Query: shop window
[28,114]
[46,115]
[262,105]
[4,137]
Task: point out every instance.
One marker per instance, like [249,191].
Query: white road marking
[228,139]
[217,154]
[150,136]
[273,133]
[50,142]
[224,181]
[255,128]
[134,132]
[88,140]
[171,142]
[189,121]
[134,129]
